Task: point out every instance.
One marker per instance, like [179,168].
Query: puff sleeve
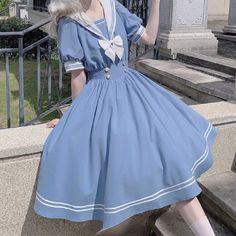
[69,46]
[132,23]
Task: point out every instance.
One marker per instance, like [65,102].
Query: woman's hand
[52,123]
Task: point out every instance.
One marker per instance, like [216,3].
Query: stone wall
[218,9]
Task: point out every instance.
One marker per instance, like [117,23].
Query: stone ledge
[218,112]
[216,62]
[30,139]
[219,197]
[22,140]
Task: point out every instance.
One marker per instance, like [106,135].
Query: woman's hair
[59,8]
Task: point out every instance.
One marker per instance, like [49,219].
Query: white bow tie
[113,47]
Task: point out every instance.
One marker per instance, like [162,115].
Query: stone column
[231,27]
[183,27]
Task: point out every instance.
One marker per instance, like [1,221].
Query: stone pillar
[231,27]
[183,27]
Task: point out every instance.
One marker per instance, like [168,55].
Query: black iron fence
[139,7]
[40,5]
[21,52]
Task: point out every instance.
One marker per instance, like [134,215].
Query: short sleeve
[69,46]
[132,23]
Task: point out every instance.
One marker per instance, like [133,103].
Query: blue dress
[126,145]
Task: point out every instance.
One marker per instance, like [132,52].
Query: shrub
[16,24]
[4,4]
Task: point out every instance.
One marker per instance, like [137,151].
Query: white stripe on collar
[110,17]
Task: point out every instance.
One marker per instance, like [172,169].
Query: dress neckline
[109,17]
[100,20]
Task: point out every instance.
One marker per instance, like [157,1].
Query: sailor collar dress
[125,145]
[89,37]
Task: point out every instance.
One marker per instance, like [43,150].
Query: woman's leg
[194,215]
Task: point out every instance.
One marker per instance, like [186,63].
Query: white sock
[202,227]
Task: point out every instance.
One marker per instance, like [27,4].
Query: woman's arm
[78,79]
[151,29]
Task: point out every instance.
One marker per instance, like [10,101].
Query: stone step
[219,197]
[197,85]
[212,72]
[208,60]
[221,35]
[172,224]
[179,95]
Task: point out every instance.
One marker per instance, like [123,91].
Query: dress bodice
[79,44]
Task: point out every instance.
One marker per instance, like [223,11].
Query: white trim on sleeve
[73,65]
[138,34]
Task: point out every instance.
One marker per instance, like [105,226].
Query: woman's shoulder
[68,24]
[66,20]
[119,6]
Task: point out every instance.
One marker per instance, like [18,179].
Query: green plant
[16,24]
[4,4]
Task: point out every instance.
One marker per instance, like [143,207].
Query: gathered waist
[112,72]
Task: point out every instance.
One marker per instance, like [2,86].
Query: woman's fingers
[52,123]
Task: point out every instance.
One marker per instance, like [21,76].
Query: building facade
[37,9]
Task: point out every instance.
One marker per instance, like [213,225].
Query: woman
[125,145]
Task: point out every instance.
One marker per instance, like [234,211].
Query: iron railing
[40,5]
[21,51]
[139,7]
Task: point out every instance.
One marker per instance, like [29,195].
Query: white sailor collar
[113,45]
[110,18]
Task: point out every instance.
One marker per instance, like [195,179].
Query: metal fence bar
[35,44]
[38,80]
[49,74]
[60,79]
[8,50]
[28,30]
[21,52]
[21,81]
[8,94]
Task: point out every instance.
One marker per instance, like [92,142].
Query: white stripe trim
[61,203]
[137,35]
[73,65]
[124,205]
[136,202]
[206,150]
[113,18]
[149,200]
[116,211]
[67,208]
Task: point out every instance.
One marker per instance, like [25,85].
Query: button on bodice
[109,72]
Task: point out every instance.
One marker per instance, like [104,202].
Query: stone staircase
[202,79]
[209,60]
[202,84]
